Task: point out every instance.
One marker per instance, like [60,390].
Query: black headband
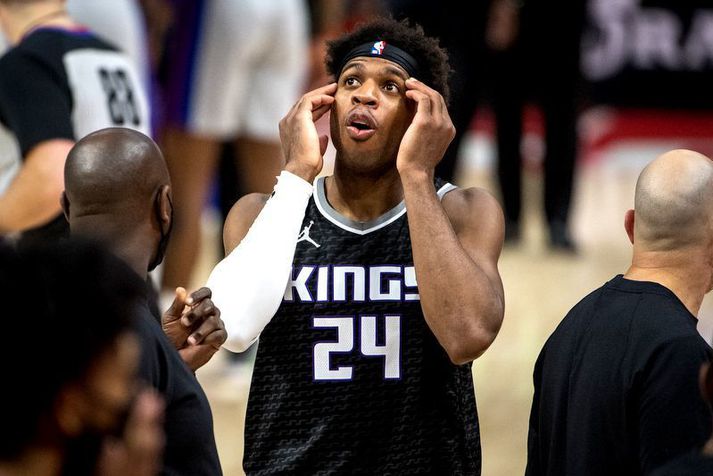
[380,49]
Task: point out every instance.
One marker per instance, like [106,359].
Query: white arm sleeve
[248,285]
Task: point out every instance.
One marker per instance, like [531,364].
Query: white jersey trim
[356,227]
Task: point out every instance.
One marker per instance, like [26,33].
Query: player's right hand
[302,146]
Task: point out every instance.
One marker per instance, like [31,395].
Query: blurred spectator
[535,50]
[459,26]
[68,404]
[231,70]
[58,83]
[327,21]
[121,23]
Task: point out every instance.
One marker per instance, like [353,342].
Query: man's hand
[138,452]
[302,146]
[194,326]
[429,134]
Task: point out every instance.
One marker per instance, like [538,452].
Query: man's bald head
[117,191]
[674,202]
[114,170]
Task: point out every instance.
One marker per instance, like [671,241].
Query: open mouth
[360,125]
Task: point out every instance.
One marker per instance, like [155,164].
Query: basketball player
[616,384]
[368,316]
[58,83]
[59,405]
[118,192]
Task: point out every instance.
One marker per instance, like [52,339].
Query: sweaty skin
[390,131]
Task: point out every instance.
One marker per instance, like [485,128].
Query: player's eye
[351,81]
[391,87]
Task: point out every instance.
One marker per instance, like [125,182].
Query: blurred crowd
[209,81]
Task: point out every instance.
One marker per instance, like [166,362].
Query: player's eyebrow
[358,65]
[396,71]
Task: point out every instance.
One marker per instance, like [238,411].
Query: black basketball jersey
[349,378]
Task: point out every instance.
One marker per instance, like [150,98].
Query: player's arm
[240,219]
[32,198]
[260,233]
[456,242]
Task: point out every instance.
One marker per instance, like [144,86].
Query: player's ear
[64,202]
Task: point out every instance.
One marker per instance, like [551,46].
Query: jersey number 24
[345,326]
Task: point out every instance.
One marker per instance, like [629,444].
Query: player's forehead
[379,66]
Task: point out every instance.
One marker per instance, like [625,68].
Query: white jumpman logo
[304,235]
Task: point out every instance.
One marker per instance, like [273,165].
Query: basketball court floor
[540,286]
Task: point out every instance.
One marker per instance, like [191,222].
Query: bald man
[117,191]
[616,384]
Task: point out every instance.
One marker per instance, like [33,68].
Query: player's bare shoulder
[475,211]
[241,217]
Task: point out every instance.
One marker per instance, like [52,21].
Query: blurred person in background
[57,83]
[329,19]
[68,409]
[138,28]
[616,384]
[118,192]
[534,54]
[121,23]
[460,28]
[231,69]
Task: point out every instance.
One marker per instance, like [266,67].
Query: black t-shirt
[349,378]
[616,385]
[63,84]
[190,443]
[691,464]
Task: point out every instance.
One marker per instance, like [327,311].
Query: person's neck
[131,245]
[685,273]
[23,19]
[40,462]
[363,197]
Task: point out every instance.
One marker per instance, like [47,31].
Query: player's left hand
[430,132]
[194,326]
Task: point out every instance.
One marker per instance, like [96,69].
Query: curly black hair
[432,59]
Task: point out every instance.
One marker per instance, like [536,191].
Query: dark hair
[432,59]
[63,306]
